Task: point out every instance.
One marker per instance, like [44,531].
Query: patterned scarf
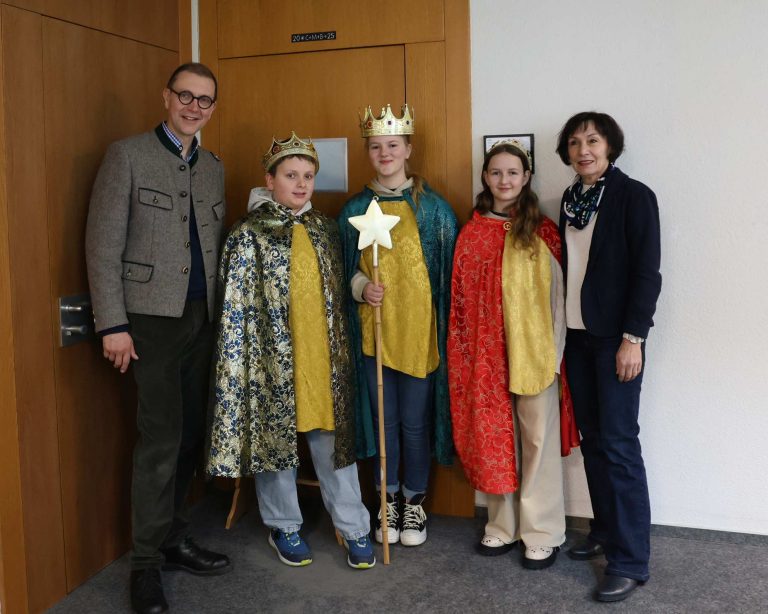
[580,206]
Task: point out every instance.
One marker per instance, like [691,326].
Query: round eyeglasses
[185,98]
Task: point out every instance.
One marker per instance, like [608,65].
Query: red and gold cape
[478,363]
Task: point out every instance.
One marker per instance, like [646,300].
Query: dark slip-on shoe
[615,588]
[586,550]
[190,557]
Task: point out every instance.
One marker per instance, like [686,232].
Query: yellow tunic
[409,328]
[525,290]
[309,337]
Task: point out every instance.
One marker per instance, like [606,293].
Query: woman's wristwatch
[632,338]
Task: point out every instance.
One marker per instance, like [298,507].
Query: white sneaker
[414,531]
[393,521]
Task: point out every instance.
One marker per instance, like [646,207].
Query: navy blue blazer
[622,281]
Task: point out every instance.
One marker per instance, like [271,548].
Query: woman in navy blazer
[609,225]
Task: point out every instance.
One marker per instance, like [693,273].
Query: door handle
[74,308]
[75,319]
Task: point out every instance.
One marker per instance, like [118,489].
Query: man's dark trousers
[172,375]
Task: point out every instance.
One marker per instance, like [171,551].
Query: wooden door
[270,86]
[272,95]
[96,405]
[75,76]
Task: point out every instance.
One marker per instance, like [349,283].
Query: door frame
[451,493]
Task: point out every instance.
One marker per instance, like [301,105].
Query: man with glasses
[155,224]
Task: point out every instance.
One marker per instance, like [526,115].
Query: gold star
[374,226]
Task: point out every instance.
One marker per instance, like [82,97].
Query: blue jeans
[606,414]
[340,489]
[407,405]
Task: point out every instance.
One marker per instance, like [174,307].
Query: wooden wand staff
[374,229]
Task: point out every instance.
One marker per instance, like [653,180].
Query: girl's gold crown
[512,143]
[292,146]
[387,124]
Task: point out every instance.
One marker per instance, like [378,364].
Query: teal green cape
[437,232]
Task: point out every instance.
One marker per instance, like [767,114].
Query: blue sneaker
[360,553]
[290,548]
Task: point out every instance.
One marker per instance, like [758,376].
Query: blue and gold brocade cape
[254,410]
[437,232]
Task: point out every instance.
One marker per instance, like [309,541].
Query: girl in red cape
[510,403]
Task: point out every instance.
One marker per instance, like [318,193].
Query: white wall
[688,82]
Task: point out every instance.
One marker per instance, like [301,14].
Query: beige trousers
[536,512]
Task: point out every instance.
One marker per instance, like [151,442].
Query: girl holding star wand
[414,297]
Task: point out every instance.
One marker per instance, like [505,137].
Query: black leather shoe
[615,588]
[190,557]
[586,550]
[147,592]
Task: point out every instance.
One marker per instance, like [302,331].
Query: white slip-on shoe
[539,557]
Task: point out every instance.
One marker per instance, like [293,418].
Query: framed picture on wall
[489,140]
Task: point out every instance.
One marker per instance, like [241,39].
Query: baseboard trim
[578,523]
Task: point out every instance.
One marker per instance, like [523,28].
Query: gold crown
[292,146]
[513,143]
[387,124]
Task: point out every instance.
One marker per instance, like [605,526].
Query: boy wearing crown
[283,358]
[414,297]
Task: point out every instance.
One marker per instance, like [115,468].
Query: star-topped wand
[374,229]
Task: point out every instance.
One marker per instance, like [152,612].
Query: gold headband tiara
[387,124]
[292,146]
[512,143]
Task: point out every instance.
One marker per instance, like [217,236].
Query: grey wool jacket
[137,242]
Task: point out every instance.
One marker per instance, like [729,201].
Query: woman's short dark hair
[603,123]
[196,68]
